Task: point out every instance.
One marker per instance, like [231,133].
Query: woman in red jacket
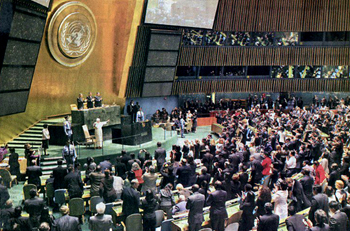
[319,172]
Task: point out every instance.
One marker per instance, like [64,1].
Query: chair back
[206,229]
[50,191]
[60,196]
[235,217]
[159,217]
[86,132]
[73,107]
[166,225]
[6,177]
[134,222]
[76,207]
[109,209]
[26,190]
[93,202]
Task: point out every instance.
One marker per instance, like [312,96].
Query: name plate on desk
[89,116]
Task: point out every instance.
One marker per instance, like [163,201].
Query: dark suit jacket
[216,201]
[295,223]
[131,201]
[105,165]
[319,201]
[298,192]
[74,184]
[307,182]
[195,204]
[58,174]
[33,173]
[316,228]
[66,223]
[183,173]
[268,222]
[4,195]
[159,155]
[34,206]
[338,222]
[202,178]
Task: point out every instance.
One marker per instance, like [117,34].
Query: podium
[132,134]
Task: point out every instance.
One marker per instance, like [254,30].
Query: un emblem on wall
[72,33]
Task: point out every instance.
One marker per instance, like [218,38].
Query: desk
[182,224]
[88,117]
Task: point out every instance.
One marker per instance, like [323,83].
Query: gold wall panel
[55,87]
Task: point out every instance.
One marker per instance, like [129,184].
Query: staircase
[32,136]
[49,163]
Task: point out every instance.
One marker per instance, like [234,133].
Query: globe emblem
[75,36]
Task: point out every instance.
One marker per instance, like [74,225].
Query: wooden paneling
[263,56]
[277,15]
[261,85]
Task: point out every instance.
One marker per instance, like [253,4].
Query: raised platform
[111,150]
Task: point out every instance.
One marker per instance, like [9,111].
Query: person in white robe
[98,132]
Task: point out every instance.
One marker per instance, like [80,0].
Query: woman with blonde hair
[138,173]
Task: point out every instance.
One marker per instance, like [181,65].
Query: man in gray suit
[66,222]
[101,221]
[160,155]
[339,221]
[195,204]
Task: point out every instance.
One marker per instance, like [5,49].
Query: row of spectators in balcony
[192,37]
[327,72]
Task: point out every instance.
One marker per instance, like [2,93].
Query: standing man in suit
[69,153]
[66,222]
[95,181]
[160,155]
[307,182]
[131,199]
[106,164]
[101,221]
[339,221]
[130,111]
[269,221]
[319,201]
[195,204]
[67,128]
[34,205]
[58,174]
[98,100]
[90,101]
[183,173]
[4,194]
[73,183]
[33,173]
[218,213]
[295,221]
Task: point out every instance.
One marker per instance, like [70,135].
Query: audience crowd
[274,162]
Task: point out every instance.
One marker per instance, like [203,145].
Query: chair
[109,209]
[235,217]
[73,107]
[159,217]
[166,225]
[76,207]
[50,193]
[88,138]
[60,196]
[26,190]
[206,229]
[93,202]
[7,177]
[134,222]
[189,126]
